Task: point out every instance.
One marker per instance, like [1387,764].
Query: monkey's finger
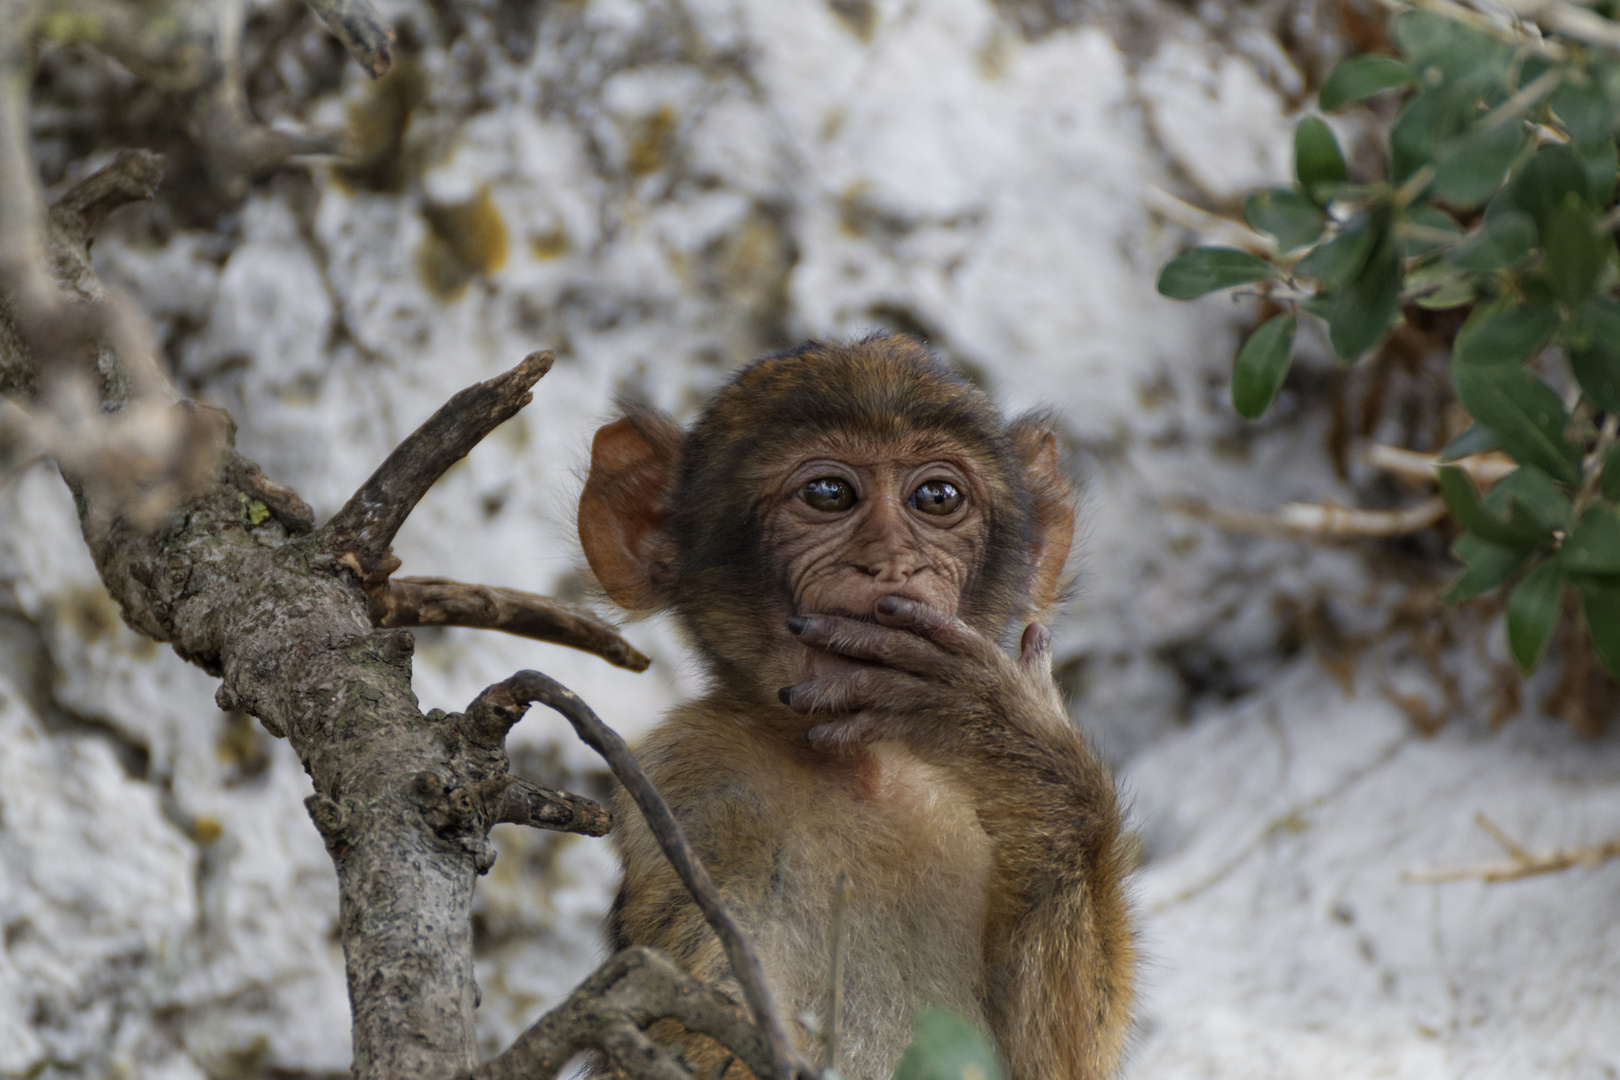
[846,693]
[1035,649]
[841,736]
[946,631]
[884,645]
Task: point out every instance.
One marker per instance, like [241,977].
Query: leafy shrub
[1498,196]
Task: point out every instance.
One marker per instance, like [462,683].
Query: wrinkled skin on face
[854,524]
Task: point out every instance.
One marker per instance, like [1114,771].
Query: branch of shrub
[1520,863]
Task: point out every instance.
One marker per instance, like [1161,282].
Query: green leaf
[1205,269]
[1475,439]
[1364,309]
[1469,169]
[1360,77]
[1285,214]
[1431,228]
[1525,414]
[1501,333]
[1611,474]
[1261,366]
[1337,262]
[1452,294]
[1575,250]
[1593,546]
[1595,357]
[1529,493]
[1601,162]
[1488,565]
[1542,184]
[1532,611]
[1584,111]
[1317,158]
[1319,304]
[1600,603]
[1516,532]
[1504,240]
[945,1046]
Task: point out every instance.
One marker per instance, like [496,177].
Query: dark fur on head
[883,389]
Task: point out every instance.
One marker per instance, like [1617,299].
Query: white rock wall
[682,186]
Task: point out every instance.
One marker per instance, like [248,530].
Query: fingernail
[797,623]
[785,695]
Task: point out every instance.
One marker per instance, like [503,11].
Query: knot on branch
[331,819]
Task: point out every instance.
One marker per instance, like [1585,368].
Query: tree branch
[510,698]
[360,533]
[357,24]
[630,990]
[434,601]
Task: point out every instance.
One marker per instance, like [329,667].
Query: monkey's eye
[936,497]
[828,493]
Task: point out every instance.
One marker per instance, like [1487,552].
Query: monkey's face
[853,522]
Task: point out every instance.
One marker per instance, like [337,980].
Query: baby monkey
[862,551]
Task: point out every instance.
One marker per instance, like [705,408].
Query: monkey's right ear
[623,510]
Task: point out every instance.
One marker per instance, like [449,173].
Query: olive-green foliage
[947,1047]
[1499,194]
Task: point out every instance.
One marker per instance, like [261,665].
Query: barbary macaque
[863,552]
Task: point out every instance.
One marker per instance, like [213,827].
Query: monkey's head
[817,481]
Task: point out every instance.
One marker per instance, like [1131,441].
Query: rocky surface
[657,191]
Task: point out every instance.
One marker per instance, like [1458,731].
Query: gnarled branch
[435,601]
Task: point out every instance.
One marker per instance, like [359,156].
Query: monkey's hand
[926,679]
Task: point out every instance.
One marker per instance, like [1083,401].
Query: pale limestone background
[679,186]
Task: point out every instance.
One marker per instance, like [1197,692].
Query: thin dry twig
[510,698]
[434,601]
[1309,521]
[1484,469]
[1520,863]
[360,533]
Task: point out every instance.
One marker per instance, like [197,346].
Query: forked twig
[1520,863]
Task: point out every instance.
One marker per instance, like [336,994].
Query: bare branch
[359,534]
[525,803]
[1483,469]
[1520,863]
[528,686]
[1307,521]
[434,601]
[357,24]
[631,990]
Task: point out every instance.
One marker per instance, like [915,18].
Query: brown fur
[981,836]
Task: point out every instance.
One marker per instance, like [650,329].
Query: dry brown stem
[1520,863]
[360,533]
[434,601]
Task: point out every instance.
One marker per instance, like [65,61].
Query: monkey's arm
[1058,941]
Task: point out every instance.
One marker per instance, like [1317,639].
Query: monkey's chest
[919,869]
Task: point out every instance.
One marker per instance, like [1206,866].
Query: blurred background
[660,190]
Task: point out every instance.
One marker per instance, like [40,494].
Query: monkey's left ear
[1055,505]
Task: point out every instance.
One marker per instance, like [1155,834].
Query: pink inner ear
[621,513]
